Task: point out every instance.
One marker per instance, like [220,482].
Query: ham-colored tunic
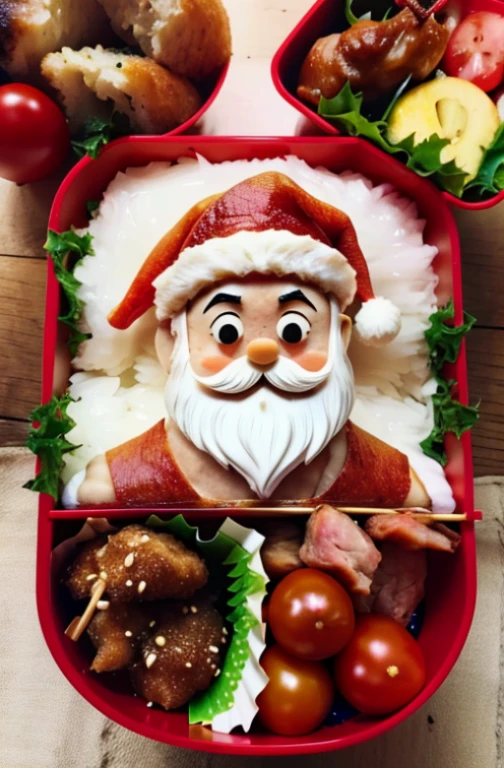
[144,472]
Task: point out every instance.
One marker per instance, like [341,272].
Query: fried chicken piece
[85,569]
[138,564]
[334,543]
[117,634]
[373,56]
[90,80]
[141,564]
[182,656]
[412,534]
[280,551]
[29,29]
[190,37]
[398,583]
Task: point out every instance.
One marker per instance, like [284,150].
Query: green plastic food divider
[242,581]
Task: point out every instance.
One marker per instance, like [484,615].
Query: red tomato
[382,668]
[475,50]
[34,138]
[298,696]
[311,615]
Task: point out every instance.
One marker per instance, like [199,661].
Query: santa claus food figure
[250,289]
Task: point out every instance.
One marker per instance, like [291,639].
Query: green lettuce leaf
[444,341]
[92,206]
[345,111]
[96,133]
[397,95]
[349,15]
[67,249]
[48,442]
[353,19]
[443,338]
[490,177]
[241,582]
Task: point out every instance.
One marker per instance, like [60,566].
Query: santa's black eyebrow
[220,298]
[296,295]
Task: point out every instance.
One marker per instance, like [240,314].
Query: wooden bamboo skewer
[79,624]
[417,513]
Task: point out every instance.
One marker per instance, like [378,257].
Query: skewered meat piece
[117,633]
[373,56]
[398,583]
[280,551]
[182,656]
[139,564]
[334,543]
[157,565]
[411,534]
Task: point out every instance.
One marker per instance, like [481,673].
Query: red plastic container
[327,16]
[451,587]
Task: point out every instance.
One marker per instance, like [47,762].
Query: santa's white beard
[265,434]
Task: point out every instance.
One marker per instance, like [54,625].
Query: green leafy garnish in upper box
[345,111]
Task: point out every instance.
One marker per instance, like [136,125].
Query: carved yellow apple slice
[454,109]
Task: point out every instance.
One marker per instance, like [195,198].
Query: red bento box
[451,587]
[321,20]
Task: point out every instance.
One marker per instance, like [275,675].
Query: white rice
[121,395]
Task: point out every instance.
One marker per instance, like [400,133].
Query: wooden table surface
[23,220]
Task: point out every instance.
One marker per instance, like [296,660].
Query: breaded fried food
[141,564]
[138,564]
[117,633]
[29,29]
[89,81]
[190,37]
[85,569]
[182,656]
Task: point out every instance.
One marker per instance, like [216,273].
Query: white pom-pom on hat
[377,322]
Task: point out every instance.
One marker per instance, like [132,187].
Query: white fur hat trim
[271,252]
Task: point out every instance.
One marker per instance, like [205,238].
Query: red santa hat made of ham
[266,225]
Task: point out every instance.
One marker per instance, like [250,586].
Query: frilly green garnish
[444,341]
[242,582]
[48,442]
[67,249]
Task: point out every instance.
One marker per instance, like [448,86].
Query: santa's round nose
[263,351]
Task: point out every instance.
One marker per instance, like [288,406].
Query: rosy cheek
[216,363]
[311,361]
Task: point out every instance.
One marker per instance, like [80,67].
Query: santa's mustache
[284,374]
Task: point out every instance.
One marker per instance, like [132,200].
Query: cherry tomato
[298,696]
[382,668]
[34,138]
[475,50]
[311,615]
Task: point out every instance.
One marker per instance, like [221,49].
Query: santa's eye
[227,328]
[293,327]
